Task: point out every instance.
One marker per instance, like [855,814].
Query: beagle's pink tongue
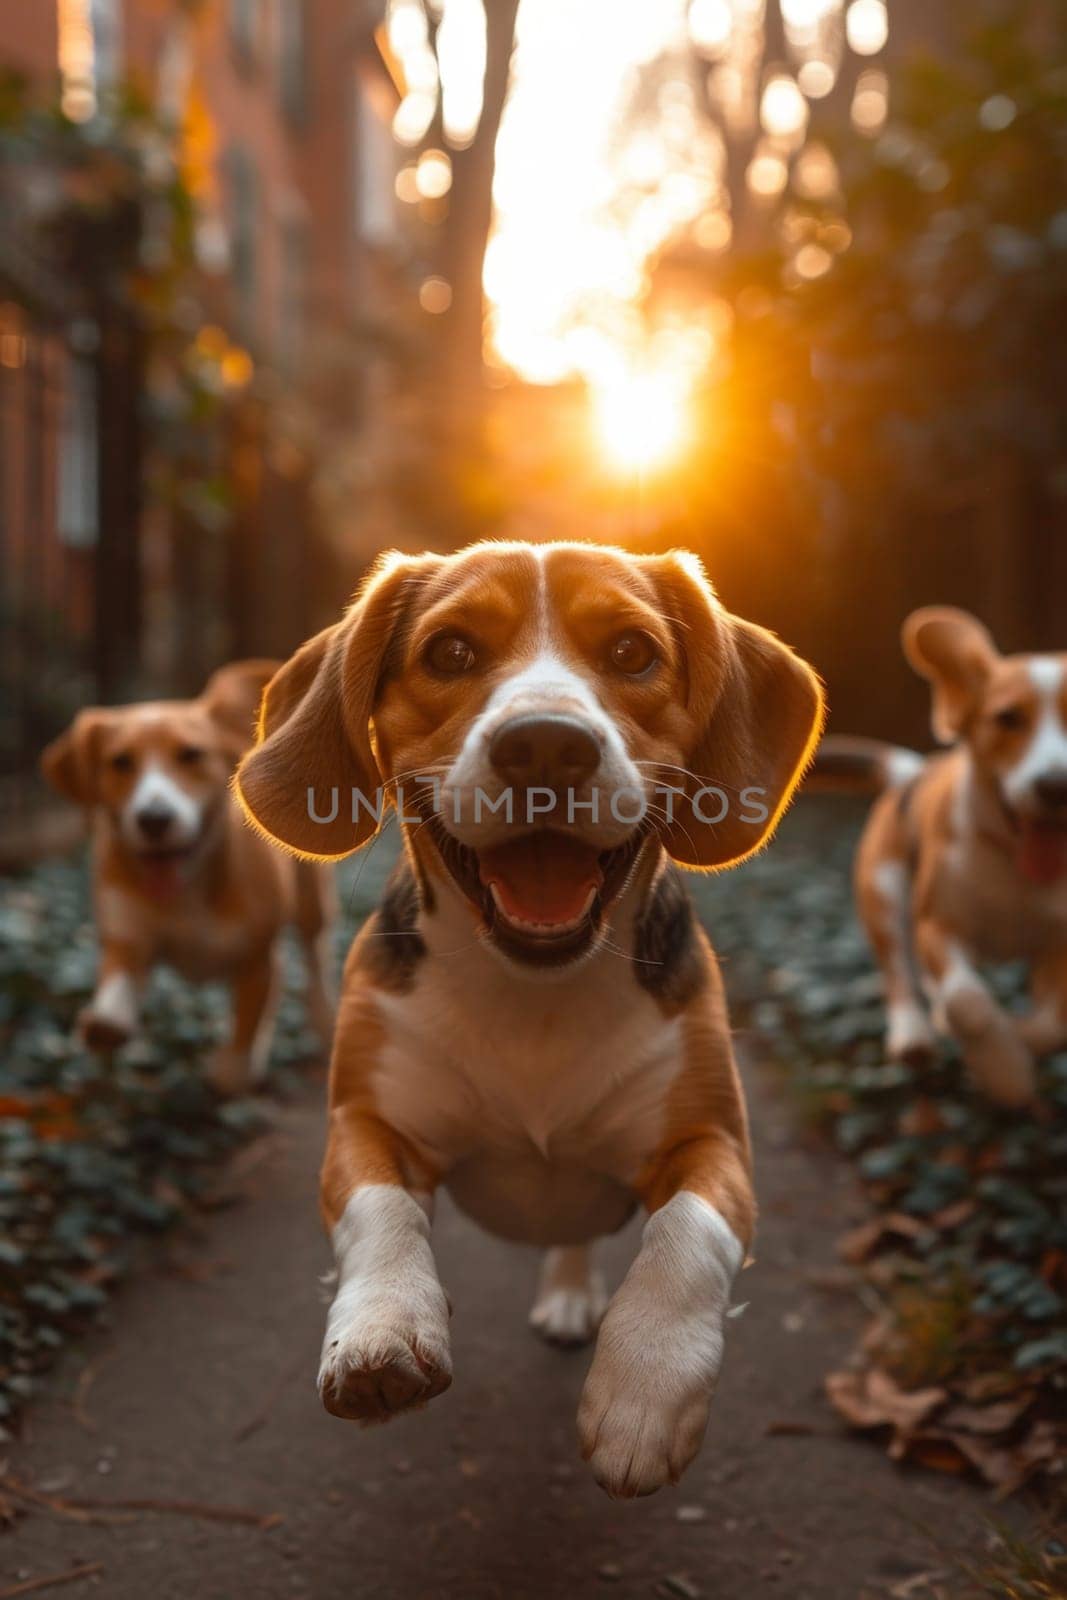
[545,878]
[1042,851]
[161,876]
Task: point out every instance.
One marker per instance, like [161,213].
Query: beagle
[533,1017]
[178,876]
[964,857]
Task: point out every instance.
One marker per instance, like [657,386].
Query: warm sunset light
[642,421]
[566,266]
[453,456]
[612,155]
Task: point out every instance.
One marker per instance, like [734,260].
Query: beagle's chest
[185,933]
[539,1101]
[1004,918]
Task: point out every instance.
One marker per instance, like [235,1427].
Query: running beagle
[964,858]
[534,1018]
[177,876]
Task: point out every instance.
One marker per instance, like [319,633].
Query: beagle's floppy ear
[232,698]
[314,751]
[756,713]
[71,763]
[956,653]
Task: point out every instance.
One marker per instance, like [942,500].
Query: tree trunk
[470,215]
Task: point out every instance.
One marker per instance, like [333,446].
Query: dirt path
[204,1391]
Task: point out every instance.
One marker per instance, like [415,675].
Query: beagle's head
[1012,713]
[537,713]
[159,773]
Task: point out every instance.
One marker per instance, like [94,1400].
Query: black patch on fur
[905,796]
[667,954]
[396,946]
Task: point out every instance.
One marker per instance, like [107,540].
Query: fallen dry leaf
[859,1243]
[872,1399]
[997,1417]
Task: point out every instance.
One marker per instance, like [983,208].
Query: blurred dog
[964,858]
[178,876]
[534,1017]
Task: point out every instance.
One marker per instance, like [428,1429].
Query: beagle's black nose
[154,822]
[549,750]
[1051,790]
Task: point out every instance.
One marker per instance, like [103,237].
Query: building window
[292,59]
[244,29]
[107,43]
[244,206]
[292,308]
[375,165]
[89,35]
[76,462]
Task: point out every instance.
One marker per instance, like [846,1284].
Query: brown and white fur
[179,877]
[964,857]
[533,1018]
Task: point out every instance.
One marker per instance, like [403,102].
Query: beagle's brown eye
[1010,718]
[122,761]
[633,653]
[190,754]
[450,656]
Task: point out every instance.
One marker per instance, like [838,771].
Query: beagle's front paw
[383,1359]
[110,1019]
[386,1348]
[1001,1066]
[101,1033]
[645,1407]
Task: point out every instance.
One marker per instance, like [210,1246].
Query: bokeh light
[413,117]
[77,59]
[461,56]
[407,185]
[783,109]
[870,102]
[867,26]
[435,296]
[767,174]
[711,24]
[816,77]
[433,175]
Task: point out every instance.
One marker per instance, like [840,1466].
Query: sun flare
[641,421]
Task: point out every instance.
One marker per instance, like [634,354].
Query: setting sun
[641,421]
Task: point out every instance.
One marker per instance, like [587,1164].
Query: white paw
[1001,1066]
[645,1406]
[100,1033]
[569,1315]
[909,1037]
[386,1347]
[383,1358]
[110,1018]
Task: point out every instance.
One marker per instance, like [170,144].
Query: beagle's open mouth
[161,868]
[542,895]
[1041,845]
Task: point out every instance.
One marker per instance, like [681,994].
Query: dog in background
[964,857]
[534,1017]
[179,877]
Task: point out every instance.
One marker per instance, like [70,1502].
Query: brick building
[282,110]
[298,186]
